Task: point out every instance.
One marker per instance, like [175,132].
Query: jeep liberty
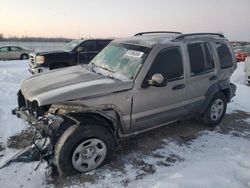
[133,85]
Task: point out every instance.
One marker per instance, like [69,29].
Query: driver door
[157,105]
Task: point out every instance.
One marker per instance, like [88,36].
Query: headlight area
[36,110]
[49,125]
[40,59]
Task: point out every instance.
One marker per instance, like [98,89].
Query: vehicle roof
[13,46]
[83,39]
[154,39]
[10,46]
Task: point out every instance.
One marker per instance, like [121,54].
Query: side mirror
[79,49]
[157,80]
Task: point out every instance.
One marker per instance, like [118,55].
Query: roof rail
[152,32]
[198,34]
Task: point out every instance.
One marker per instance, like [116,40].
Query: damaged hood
[68,84]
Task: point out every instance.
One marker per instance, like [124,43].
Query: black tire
[24,56]
[209,118]
[72,138]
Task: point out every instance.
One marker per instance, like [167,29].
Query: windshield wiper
[92,68]
[104,68]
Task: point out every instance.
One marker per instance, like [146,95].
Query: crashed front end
[46,125]
[36,116]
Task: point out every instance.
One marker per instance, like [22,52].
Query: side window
[196,58]
[100,44]
[208,57]
[14,48]
[225,56]
[200,57]
[88,46]
[4,49]
[168,63]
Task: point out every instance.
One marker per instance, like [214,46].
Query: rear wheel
[24,56]
[83,148]
[216,110]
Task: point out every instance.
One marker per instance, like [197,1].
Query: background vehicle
[13,52]
[247,69]
[74,52]
[242,53]
[133,85]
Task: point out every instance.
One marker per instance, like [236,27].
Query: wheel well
[226,92]
[88,118]
[23,54]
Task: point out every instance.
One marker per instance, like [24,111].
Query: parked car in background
[74,52]
[237,48]
[247,69]
[242,53]
[13,52]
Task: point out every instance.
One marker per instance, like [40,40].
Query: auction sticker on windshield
[133,53]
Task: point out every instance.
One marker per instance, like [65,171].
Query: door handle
[177,87]
[213,77]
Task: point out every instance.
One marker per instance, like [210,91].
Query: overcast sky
[118,18]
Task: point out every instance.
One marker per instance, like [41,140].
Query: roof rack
[198,34]
[152,32]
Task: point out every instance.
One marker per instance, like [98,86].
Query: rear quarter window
[225,56]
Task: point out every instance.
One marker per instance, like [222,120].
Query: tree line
[34,39]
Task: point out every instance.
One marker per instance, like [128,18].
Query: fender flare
[222,86]
[108,115]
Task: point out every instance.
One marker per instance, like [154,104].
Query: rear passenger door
[202,74]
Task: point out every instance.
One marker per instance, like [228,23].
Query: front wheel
[216,110]
[83,148]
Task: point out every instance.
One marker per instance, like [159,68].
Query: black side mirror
[79,49]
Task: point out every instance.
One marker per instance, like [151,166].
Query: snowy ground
[186,154]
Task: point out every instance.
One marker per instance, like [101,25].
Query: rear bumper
[240,59]
[248,77]
[232,90]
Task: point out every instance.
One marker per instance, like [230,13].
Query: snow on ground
[212,159]
[241,100]
[11,74]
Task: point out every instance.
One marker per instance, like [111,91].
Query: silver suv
[133,85]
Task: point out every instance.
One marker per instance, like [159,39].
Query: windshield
[120,61]
[68,47]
